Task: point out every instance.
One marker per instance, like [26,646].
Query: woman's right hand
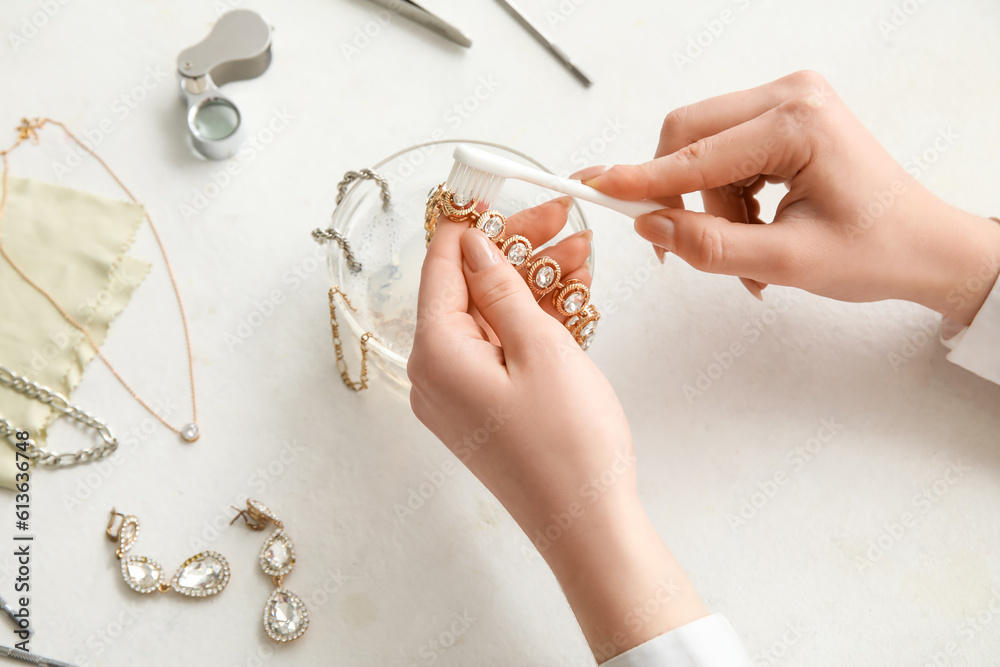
[854,225]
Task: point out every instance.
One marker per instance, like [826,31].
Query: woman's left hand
[540,426]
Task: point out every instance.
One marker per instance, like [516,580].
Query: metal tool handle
[237,48]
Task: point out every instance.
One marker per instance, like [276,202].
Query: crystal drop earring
[286,617]
[201,575]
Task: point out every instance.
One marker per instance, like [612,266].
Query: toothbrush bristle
[451,177]
[473,183]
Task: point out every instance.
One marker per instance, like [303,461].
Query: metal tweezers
[417,14]
[18,654]
[33,658]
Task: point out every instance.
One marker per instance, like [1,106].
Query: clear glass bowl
[389,244]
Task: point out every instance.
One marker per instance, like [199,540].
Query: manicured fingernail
[589,172]
[753,287]
[661,254]
[586,234]
[658,229]
[566,201]
[480,253]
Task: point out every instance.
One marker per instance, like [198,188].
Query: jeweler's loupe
[237,48]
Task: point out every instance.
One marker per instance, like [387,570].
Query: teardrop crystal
[141,574]
[277,556]
[285,616]
[204,574]
[128,533]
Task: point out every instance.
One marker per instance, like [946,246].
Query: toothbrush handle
[633,209]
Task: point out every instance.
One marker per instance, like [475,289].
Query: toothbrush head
[471,178]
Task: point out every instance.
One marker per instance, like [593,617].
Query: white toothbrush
[480,175]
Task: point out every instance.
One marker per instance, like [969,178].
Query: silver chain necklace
[23,385]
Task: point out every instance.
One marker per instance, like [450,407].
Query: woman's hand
[854,225]
[540,426]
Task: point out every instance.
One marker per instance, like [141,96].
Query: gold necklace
[28,130]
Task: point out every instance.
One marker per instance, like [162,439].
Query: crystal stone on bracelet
[544,276]
[573,302]
[587,334]
[492,226]
[517,254]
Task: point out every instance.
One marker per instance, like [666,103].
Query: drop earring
[286,617]
[201,575]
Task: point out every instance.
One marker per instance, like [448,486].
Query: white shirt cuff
[707,642]
[977,347]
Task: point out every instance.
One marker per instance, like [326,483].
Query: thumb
[498,291]
[709,243]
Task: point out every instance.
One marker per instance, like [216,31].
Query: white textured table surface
[278,425]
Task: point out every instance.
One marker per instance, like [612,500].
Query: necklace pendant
[190,432]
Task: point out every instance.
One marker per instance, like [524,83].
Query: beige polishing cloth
[72,244]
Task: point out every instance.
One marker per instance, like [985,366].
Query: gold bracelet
[543,274]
